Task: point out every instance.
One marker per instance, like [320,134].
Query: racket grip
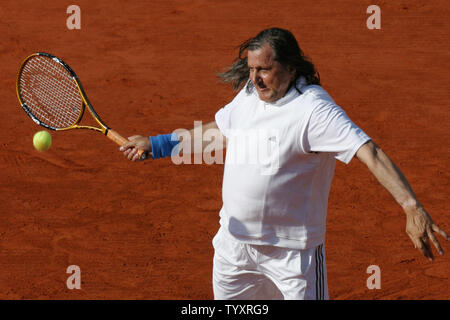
[117,138]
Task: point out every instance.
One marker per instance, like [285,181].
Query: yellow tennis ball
[42,140]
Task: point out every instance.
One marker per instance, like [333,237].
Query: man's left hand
[420,228]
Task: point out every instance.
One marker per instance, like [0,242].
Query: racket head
[49,92]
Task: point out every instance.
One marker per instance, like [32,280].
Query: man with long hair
[273,220]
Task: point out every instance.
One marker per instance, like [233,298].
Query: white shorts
[254,272]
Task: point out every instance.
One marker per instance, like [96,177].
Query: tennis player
[273,220]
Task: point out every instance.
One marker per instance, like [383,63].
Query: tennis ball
[42,140]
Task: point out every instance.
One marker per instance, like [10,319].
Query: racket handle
[117,138]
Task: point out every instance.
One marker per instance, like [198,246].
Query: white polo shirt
[279,165]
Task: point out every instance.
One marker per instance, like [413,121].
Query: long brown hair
[287,53]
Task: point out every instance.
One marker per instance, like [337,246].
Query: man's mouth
[261,87]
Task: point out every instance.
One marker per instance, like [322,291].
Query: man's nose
[254,77]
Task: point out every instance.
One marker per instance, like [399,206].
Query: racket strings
[50,92]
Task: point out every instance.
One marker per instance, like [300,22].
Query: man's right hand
[130,149]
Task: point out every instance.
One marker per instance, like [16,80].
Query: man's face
[269,77]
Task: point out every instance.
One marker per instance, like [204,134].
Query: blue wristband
[163,144]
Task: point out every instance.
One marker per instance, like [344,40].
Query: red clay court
[144,230]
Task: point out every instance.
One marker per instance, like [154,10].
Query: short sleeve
[331,130]
[223,115]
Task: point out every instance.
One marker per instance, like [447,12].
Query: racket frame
[113,135]
[85,102]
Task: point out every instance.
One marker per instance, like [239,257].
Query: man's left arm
[419,225]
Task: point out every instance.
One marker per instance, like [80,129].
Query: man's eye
[263,70]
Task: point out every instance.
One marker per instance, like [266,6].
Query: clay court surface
[144,230]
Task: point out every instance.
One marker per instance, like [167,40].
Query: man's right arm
[196,137]
[191,141]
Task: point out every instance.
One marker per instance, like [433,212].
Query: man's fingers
[131,148]
[126,152]
[132,153]
[426,248]
[132,141]
[440,231]
[414,243]
[422,246]
[435,242]
[433,238]
[135,157]
[127,145]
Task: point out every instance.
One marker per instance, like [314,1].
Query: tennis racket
[51,94]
